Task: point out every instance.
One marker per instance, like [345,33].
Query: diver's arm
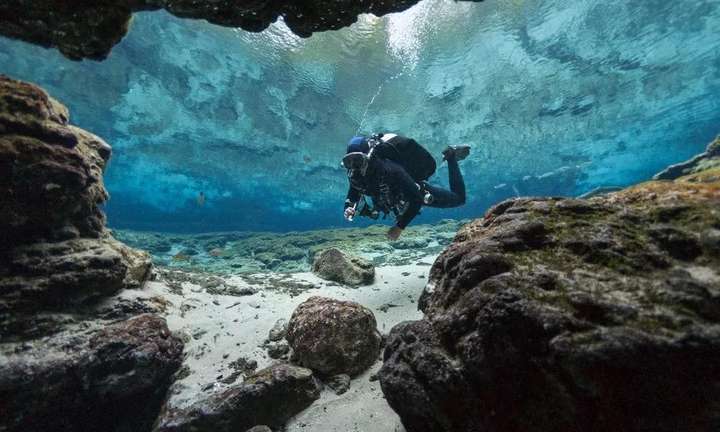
[353,196]
[412,194]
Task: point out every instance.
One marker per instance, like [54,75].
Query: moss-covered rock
[333,337]
[570,315]
[334,265]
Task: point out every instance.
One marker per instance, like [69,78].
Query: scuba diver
[393,170]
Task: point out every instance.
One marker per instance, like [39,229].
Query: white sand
[218,329]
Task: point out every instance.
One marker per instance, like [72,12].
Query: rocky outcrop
[570,315]
[110,378]
[83,30]
[67,360]
[54,249]
[707,160]
[334,265]
[268,397]
[333,337]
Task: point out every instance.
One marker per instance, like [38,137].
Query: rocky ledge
[106,377]
[90,30]
[70,359]
[571,315]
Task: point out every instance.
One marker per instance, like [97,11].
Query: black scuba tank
[406,152]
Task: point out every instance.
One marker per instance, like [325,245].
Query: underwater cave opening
[218,129]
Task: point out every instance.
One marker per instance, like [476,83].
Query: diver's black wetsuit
[400,186]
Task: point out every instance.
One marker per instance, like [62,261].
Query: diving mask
[355,162]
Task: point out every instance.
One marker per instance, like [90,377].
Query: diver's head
[356,159]
[356,163]
[358,144]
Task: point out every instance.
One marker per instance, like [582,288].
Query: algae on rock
[566,314]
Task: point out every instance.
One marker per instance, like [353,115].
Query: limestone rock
[278,331]
[111,378]
[63,365]
[339,383]
[332,264]
[570,315]
[90,30]
[261,428]
[706,160]
[71,271]
[278,350]
[269,397]
[333,337]
[50,171]
[55,251]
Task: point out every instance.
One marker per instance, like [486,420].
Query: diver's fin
[459,151]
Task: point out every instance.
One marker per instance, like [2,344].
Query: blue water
[558,97]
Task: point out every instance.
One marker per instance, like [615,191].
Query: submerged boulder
[109,377]
[268,397]
[334,265]
[570,315]
[333,337]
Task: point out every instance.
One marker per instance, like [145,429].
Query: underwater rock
[268,397]
[261,428]
[81,30]
[62,364]
[53,275]
[50,171]
[410,243]
[710,158]
[278,331]
[333,337]
[243,365]
[600,191]
[334,265]
[109,378]
[56,251]
[570,315]
[340,384]
[277,350]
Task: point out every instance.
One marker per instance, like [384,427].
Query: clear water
[558,97]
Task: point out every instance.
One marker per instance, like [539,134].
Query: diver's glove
[350,213]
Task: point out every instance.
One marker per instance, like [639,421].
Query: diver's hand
[394,233]
[349,213]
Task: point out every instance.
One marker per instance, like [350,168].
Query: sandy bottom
[220,329]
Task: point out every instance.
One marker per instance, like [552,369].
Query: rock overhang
[82,30]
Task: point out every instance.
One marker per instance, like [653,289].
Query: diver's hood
[356,162]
